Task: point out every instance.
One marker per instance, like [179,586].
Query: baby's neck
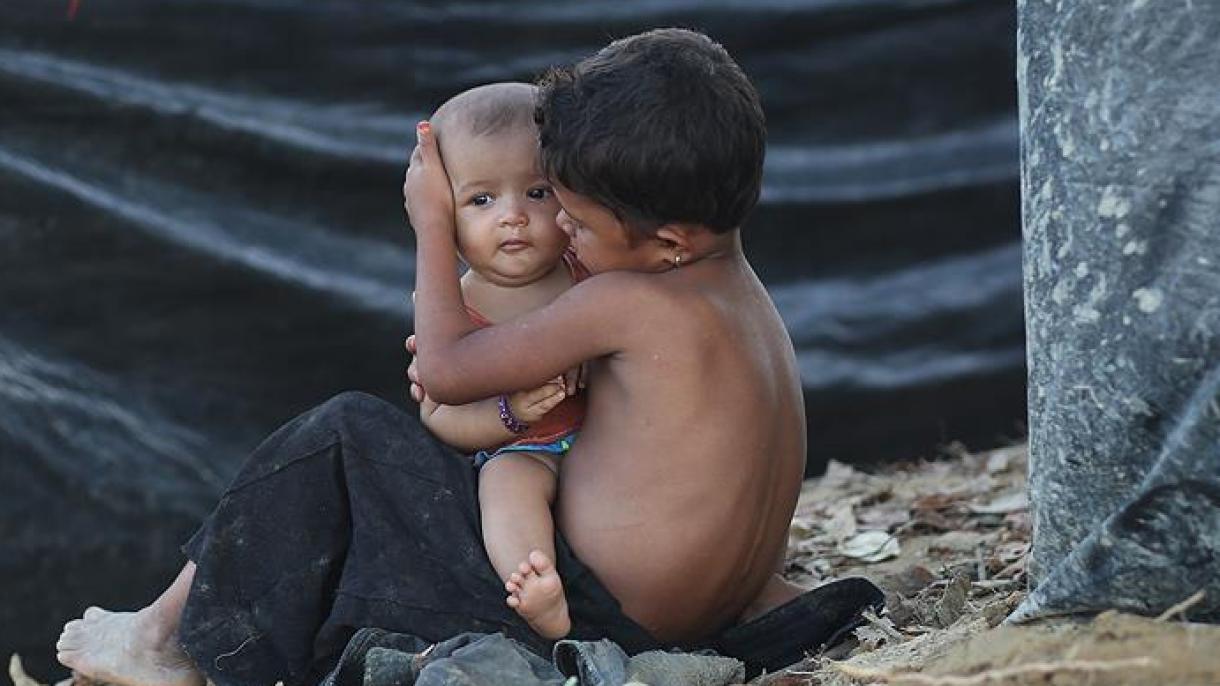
[501,301]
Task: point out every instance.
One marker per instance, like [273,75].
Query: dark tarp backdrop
[201,235]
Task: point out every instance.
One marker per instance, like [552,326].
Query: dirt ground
[948,540]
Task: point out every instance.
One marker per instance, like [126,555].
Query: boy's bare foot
[536,593]
[126,649]
[776,592]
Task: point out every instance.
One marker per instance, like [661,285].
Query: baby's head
[505,210]
[658,128]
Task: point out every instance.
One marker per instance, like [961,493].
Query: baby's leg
[133,648]
[516,491]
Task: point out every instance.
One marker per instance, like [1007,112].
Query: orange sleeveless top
[567,416]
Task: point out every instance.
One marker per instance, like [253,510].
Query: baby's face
[506,210]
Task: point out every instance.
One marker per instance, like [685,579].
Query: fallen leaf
[883,517]
[950,606]
[1012,502]
[957,542]
[935,501]
[16,672]
[842,523]
[871,546]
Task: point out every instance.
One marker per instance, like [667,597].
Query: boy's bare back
[680,491]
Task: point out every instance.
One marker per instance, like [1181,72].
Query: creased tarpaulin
[1120,133]
[378,658]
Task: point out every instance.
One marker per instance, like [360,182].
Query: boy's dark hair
[658,127]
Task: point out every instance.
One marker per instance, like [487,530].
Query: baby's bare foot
[126,649]
[536,593]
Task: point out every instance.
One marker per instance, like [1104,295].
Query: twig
[992,675]
[1012,569]
[1181,607]
[886,627]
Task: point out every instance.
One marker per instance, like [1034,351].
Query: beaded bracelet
[506,416]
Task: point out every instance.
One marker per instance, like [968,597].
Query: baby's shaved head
[486,110]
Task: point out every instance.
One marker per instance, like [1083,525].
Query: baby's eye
[481,199]
[539,193]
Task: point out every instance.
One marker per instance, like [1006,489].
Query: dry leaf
[1011,502]
[871,546]
[16,672]
[935,501]
[950,606]
[842,523]
[884,517]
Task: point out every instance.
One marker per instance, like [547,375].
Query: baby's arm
[477,426]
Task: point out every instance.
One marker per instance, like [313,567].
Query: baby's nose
[514,215]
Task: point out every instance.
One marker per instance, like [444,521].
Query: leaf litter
[947,541]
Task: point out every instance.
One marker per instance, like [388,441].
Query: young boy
[518,261]
[680,492]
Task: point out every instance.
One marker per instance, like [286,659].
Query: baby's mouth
[514,245]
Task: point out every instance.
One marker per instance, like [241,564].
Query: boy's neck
[707,245]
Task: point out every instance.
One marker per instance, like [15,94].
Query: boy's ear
[674,243]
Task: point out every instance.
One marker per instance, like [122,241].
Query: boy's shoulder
[631,289]
[645,301]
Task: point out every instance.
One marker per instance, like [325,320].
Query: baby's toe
[540,562]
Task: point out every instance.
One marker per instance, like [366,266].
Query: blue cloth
[558,447]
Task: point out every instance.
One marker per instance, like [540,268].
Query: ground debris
[962,530]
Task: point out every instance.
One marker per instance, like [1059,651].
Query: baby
[518,261]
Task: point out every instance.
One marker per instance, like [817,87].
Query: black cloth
[378,658]
[353,515]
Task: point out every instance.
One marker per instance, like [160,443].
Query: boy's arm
[460,362]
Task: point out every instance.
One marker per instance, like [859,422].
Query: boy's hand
[574,378]
[530,406]
[427,195]
[417,391]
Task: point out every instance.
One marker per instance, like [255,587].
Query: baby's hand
[530,406]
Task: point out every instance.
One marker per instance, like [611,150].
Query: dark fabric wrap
[353,516]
